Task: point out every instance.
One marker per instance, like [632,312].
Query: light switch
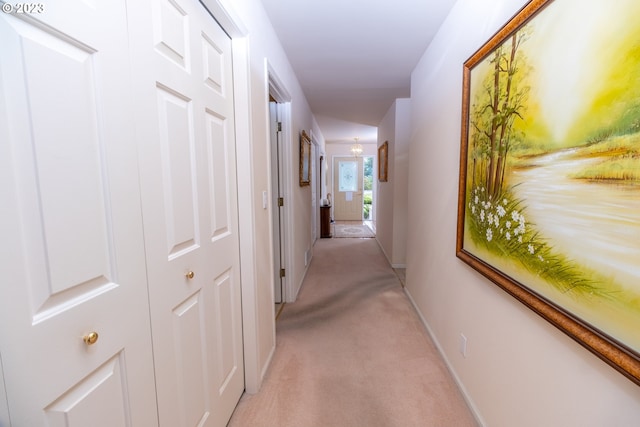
[264,200]
[463,345]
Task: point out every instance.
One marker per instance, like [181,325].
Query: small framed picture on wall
[383,161]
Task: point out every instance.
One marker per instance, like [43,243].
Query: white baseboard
[387,256]
[463,390]
[295,292]
[266,367]
[384,252]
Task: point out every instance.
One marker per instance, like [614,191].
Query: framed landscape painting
[383,162]
[549,195]
[305,159]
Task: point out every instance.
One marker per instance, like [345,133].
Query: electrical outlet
[463,345]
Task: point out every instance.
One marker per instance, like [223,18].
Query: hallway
[351,351]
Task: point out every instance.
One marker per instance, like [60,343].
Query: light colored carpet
[351,352]
[358,231]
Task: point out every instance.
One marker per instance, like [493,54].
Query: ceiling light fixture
[356,149]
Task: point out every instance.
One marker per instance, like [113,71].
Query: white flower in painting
[504,202]
[515,216]
[490,217]
[473,210]
[489,234]
[508,225]
[531,249]
[501,211]
[476,200]
[540,258]
[482,215]
[508,236]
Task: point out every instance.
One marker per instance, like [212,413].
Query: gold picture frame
[305,159]
[383,162]
[543,237]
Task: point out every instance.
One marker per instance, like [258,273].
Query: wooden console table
[325,221]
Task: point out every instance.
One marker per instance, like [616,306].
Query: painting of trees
[549,192]
[500,101]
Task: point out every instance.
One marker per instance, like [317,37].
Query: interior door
[348,185]
[72,256]
[277,192]
[184,88]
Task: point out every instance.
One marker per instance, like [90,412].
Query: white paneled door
[182,63]
[75,339]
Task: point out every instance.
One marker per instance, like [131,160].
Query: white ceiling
[353,58]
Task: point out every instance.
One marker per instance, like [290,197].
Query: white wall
[263,47]
[519,370]
[320,185]
[391,211]
[401,182]
[384,202]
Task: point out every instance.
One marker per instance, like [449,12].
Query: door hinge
[282,273]
[280,201]
[279,126]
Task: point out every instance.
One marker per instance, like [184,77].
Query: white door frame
[277,89]
[249,280]
[277,214]
[315,201]
[374,186]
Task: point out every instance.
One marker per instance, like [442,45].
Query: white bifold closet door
[183,89]
[72,260]
[119,217]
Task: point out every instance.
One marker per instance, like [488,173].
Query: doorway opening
[280,187]
[368,199]
[353,191]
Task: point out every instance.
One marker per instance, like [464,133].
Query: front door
[189,198]
[75,336]
[347,188]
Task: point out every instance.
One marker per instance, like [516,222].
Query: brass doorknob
[190,275]
[90,338]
